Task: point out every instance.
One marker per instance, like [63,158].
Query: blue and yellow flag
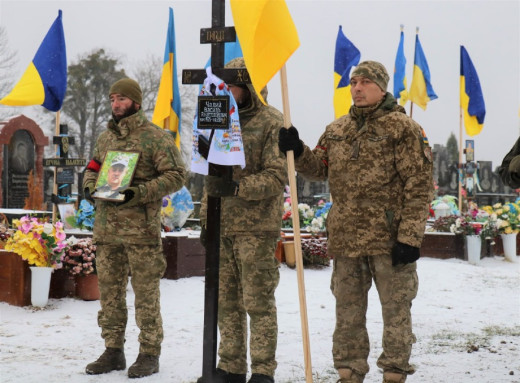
[45,80]
[346,57]
[421,90]
[400,83]
[167,111]
[471,99]
[267,35]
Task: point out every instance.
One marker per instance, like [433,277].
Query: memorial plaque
[64,176]
[217,35]
[213,112]
[64,162]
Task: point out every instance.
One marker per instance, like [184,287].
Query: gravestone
[22,144]
[20,162]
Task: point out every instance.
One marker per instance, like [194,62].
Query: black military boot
[112,359]
[222,376]
[261,378]
[145,365]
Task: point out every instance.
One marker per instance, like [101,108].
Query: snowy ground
[466,319]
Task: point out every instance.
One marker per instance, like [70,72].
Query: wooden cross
[64,172]
[217,36]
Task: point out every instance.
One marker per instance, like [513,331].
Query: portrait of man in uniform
[115,175]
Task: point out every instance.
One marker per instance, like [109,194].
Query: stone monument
[22,145]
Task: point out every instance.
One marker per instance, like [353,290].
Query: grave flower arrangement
[84,217]
[319,222]
[80,256]
[314,252]
[507,216]
[5,232]
[306,214]
[38,241]
[467,225]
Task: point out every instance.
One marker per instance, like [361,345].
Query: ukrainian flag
[346,57]
[267,35]
[471,99]
[167,111]
[45,80]
[421,90]
[400,83]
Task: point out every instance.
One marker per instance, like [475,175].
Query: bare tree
[8,60]
[86,103]
[148,74]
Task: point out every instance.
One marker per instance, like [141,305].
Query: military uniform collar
[127,124]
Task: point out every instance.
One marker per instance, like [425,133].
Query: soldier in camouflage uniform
[379,167]
[128,234]
[251,216]
[510,169]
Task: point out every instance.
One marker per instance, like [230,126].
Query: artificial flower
[38,241]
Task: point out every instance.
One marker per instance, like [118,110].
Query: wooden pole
[459,167]
[296,227]
[55,186]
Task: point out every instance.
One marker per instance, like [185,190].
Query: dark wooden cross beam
[217,36]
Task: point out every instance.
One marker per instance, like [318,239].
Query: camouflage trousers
[397,287]
[248,279]
[146,264]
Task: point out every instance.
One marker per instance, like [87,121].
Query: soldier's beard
[132,109]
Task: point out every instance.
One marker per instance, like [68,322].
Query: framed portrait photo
[115,175]
[67,213]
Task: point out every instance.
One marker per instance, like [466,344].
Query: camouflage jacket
[380,178]
[510,178]
[159,172]
[258,208]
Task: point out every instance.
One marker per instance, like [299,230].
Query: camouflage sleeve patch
[426,146]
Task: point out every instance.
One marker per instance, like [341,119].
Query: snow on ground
[466,319]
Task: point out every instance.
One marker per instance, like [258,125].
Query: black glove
[288,139]
[403,254]
[220,187]
[132,197]
[88,191]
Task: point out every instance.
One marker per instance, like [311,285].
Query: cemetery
[48,249]
[27,189]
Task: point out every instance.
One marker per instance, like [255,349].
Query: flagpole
[459,167]
[296,228]
[411,109]
[55,186]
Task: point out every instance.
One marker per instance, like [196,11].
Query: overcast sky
[489,30]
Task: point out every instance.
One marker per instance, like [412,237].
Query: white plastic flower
[48,228]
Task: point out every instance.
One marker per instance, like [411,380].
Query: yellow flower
[508,230]
[488,209]
[40,243]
